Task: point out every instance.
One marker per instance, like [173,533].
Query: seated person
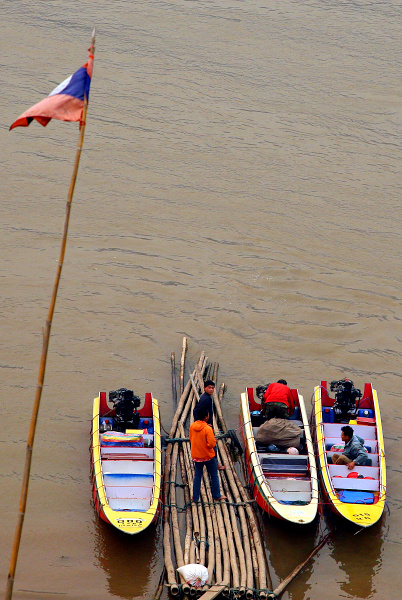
[278,400]
[354,452]
[281,432]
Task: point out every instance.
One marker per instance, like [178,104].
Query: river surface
[239,185]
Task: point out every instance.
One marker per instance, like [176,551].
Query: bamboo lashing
[218,535]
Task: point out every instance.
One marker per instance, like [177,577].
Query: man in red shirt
[278,400]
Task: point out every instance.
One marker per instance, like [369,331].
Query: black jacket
[206,403]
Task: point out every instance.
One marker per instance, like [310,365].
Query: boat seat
[283,484]
[284,463]
[128,480]
[292,497]
[130,504]
[133,467]
[372,459]
[352,483]
[343,471]
[126,493]
[333,430]
[356,497]
[329,442]
[122,452]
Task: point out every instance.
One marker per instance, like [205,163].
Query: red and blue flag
[65,102]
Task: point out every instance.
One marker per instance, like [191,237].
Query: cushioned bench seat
[284,463]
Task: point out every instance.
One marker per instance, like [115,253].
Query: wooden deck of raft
[223,536]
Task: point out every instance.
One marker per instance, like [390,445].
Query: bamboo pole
[170,571]
[174,390]
[222,388]
[235,551]
[297,570]
[182,364]
[255,537]
[241,512]
[170,495]
[187,500]
[43,359]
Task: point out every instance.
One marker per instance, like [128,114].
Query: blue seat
[355,497]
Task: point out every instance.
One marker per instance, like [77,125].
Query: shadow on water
[132,564]
[359,554]
[287,546]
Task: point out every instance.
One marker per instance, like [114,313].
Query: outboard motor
[125,405]
[260,391]
[345,399]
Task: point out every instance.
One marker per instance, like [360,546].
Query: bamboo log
[182,364]
[174,390]
[231,546]
[208,519]
[222,388]
[187,500]
[173,510]
[170,571]
[256,536]
[215,372]
[241,512]
[237,539]
[224,542]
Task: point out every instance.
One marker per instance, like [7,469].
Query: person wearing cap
[203,444]
[278,400]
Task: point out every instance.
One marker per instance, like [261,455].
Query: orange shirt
[202,441]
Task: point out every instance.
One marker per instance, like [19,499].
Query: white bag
[196,575]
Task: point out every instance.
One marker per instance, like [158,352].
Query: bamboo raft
[223,536]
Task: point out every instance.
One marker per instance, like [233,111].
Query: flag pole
[43,359]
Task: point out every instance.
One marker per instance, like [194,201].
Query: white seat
[137,504]
[127,466]
[128,479]
[343,471]
[289,485]
[333,430]
[374,458]
[293,496]
[345,483]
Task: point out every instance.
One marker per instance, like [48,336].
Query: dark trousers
[276,409]
[212,468]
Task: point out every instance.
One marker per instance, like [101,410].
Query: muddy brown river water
[240,185]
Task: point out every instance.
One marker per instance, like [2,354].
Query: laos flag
[65,102]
